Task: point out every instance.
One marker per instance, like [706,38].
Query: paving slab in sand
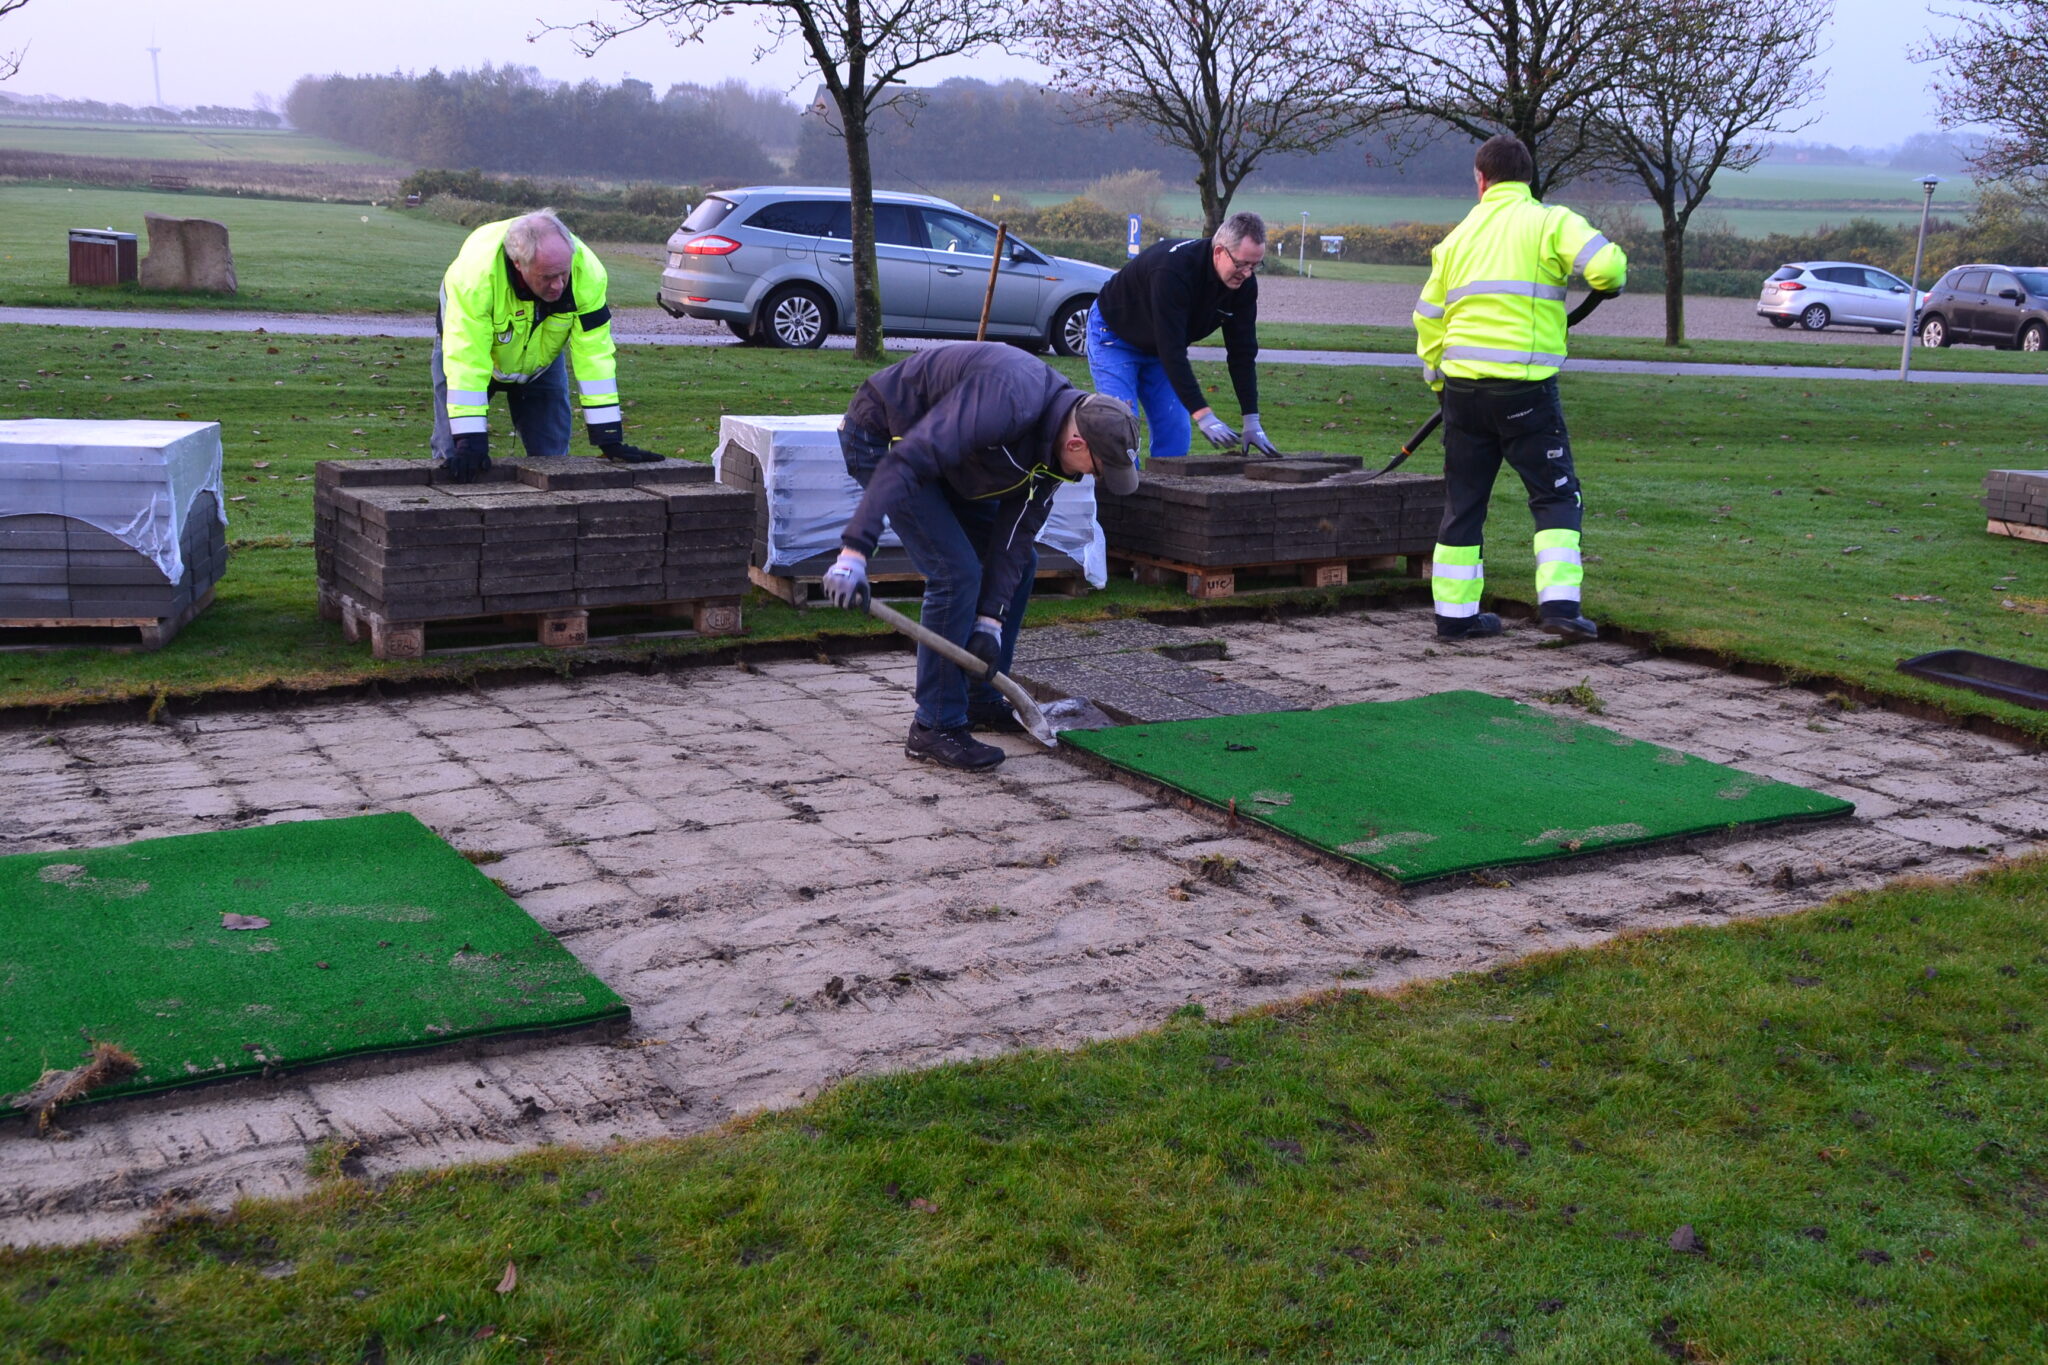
[784,900]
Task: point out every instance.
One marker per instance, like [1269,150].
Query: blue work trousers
[1121,370]
[944,535]
[540,409]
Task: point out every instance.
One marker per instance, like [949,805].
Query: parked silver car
[1815,294]
[774,263]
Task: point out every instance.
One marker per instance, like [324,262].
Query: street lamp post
[1927,184]
[1301,256]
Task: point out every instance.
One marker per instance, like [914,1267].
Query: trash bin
[102,256]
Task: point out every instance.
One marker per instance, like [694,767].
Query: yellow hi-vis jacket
[489,332]
[1494,304]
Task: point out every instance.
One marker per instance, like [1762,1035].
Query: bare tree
[1704,81]
[1534,68]
[1994,77]
[10,62]
[1229,81]
[862,50]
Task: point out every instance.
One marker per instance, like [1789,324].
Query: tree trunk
[1674,282]
[867,289]
[1213,203]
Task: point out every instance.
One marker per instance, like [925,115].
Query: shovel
[1020,701]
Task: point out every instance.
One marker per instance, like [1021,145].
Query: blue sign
[1137,229]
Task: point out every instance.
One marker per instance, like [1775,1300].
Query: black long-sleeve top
[1168,298]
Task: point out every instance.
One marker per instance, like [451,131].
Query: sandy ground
[786,901]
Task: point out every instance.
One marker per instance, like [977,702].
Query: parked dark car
[1988,305]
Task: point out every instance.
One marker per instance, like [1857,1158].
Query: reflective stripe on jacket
[1494,304]
[489,331]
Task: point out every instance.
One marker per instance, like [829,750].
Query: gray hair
[523,239]
[1240,228]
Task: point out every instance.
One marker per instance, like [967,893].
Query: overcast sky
[228,51]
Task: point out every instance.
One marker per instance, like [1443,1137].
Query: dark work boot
[998,719]
[1484,626]
[1563,619]
[951,748]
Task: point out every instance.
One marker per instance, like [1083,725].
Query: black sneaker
[951,748]
[1573,628]
[1484,626]
[994,720]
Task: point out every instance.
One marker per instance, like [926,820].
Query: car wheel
[1933,331]
[743,330]
[1069,330]
[793,318]
[1815,318]
[2033,338]
[1781,322]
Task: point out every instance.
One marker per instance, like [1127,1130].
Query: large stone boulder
[187,255]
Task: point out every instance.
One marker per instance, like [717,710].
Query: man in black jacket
[1169,297]
[961,448]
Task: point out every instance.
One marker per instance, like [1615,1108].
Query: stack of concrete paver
[2018,498]
[109,523]
[1304,510]
[396,544]
[56,569]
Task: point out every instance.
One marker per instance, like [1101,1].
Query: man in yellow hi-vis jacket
[522,296]
[1490,328]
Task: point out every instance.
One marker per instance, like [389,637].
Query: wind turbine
[155,75]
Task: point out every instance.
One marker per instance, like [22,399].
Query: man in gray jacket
[961,448]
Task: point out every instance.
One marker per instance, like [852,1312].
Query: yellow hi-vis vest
[1494,304]
[488,332]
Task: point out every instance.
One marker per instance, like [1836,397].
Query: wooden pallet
[564,628]
[153,632]
[1214,581]
[1056,574]
[2018,529]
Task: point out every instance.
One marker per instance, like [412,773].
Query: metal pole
[1927,183]
[1301,257]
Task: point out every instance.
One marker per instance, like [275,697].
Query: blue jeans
[540,409]
[1123,371]
[944,534]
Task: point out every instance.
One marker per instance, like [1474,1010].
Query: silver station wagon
[774,263]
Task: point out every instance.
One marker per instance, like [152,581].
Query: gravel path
[785,900]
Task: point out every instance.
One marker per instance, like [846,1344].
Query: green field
[1831,529]
[289,257]
[1776,197]
[1834,1115]
[129,141]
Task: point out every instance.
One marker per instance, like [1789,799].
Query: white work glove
[1217,430]
[1255,437]
[846,582]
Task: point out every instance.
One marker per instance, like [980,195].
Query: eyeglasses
[1243,267]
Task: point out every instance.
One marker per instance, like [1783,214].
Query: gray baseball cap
[1111,432]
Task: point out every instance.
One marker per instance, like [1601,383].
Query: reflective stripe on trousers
[1559,573]
[1457,579]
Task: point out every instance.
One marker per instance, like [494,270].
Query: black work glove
[625,454]
[604,434]
[986,643]
[471,457]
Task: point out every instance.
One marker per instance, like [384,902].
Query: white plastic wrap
[811,496]
[134,480]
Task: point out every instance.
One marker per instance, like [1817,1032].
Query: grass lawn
[1324,336]
[134,141]
[1835,1111]
[1832,529]
[290,257]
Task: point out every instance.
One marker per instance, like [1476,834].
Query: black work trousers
[1487,421]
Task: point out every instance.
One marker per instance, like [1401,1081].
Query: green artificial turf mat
[382,938]
[1449,783]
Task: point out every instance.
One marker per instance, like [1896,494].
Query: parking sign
[1137,228]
